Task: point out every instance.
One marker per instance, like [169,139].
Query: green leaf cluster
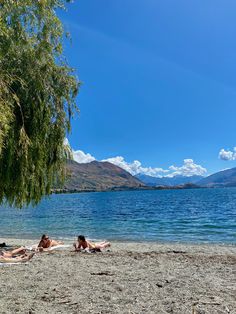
[37,99]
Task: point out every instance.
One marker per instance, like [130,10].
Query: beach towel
[11,262]
[57,247]
[2,264]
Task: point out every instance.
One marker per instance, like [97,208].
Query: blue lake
[199,216]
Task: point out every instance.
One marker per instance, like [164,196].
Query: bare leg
[20,250]
[21,258]
[6,254]
[55,243]
[102,245]
[26,257]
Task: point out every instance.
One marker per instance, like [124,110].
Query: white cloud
[227,154]
[66,142]
[81,157]
[188,169]
[135,167]
[78,155]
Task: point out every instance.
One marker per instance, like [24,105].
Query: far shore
[128,278]
[120,189]
[187,186]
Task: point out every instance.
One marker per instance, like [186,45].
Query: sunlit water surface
[199,216]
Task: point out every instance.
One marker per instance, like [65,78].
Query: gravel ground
[127,278]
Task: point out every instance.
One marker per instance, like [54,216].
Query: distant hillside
[225,178]
[166,181]
[98,176]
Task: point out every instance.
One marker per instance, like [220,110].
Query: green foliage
[37,99]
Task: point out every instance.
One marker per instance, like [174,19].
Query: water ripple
[201,215]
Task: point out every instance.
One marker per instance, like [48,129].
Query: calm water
[204,215]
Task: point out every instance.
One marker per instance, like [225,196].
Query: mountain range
[98,176]
[168,181]
[105,176]
[225,178]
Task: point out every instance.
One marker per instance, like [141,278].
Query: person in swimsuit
[46,243]
[16,259]
[84,244]
[20,251]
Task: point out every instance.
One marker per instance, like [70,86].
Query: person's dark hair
[81,237]
[43,236]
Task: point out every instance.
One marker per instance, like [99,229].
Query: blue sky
[159,81]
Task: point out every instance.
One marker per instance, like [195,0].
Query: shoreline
[142,246]
[68,240]
[187,186]
[126,278]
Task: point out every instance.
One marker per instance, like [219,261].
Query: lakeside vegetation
[37,99]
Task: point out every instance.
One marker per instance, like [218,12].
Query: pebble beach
[127,278]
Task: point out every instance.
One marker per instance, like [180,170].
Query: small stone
[159,285]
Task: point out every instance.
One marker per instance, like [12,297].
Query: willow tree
[37,99]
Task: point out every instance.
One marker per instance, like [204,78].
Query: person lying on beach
[46,243]
[19,251]
[16,259]
[84,244]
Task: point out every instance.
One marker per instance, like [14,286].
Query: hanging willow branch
[37,98]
